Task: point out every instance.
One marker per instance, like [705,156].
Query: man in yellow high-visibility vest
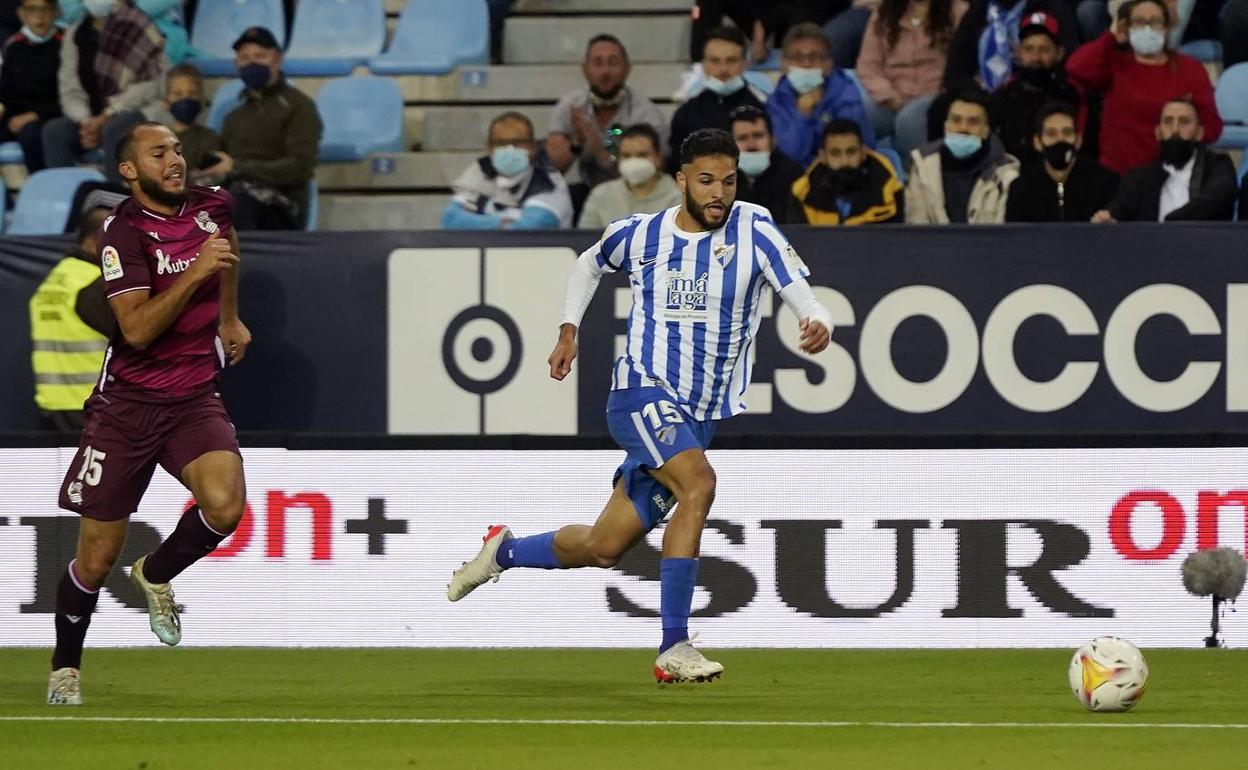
[70,324]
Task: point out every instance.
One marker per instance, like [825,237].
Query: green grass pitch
[514,709]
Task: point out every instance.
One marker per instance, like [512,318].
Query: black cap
[257,35]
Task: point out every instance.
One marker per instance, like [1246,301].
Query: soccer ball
[1108,674]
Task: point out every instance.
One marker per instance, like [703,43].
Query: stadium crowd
[918,111]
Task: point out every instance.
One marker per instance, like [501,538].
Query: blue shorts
[649,425]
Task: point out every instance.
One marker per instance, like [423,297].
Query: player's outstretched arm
[813,319]
[143,318]
[564,353]
[235,336]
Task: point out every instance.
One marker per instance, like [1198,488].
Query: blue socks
[677,578]
[532,551]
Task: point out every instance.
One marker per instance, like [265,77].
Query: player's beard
[152,189]
[699,213]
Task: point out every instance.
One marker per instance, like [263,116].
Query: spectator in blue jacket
[812,93]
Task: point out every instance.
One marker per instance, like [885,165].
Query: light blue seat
[218,23]
[11,152]
[4,197]
[895,159]
[1231,95]
[43,203]
[361,116]
[223,103]
[1205,50]
[434,36]
[314,206]
[331,37]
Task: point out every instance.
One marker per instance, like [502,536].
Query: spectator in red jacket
[1139,82]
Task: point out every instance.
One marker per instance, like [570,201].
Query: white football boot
[483,568]
[683,663]
[64,688]
[162,611]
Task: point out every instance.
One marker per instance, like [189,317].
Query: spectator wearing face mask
[184,98]
[723,64]
[848,184]
[1138,82]
[506,189]
[1038,80]
[111,76]
[28,89]
[1057,184]
[1190,182]
[765,175]
[642,188]
[588,115]
[812,93]
[966,177]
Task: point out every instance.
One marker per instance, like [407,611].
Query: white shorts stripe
[645,439]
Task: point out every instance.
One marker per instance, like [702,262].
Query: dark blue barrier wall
[317,305]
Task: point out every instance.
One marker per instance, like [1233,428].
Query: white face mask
[100,8]
[637,170]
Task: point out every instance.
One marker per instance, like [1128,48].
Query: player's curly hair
[708,141]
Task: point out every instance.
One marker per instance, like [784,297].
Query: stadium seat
[224,102]
[43,204]
[331,37]
[314,206]
[4,197]
[895,159]
[11,152]
[1232,98]
[218,23]
[434,36]
[361,115]
[1205,50]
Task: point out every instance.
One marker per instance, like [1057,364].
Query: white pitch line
[632,722]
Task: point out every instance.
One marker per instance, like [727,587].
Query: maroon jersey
[140,249]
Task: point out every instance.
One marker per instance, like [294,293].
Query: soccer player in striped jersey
[697,272]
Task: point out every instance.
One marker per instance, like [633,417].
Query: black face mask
[1059,155]
[1177,152]
[846,179]
[1037,77]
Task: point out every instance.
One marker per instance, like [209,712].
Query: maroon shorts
[123,441]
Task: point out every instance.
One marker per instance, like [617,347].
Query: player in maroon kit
[169,255]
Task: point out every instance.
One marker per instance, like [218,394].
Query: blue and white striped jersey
[696,306]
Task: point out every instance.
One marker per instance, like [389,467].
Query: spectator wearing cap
[1057,184]
[901,64]
[642,188]
[111,76]
[592,117]
[28,89]
[1039,79]
[848,184]
[269,141]
[512,187]
[723,64]
[1189,182]
[982,51]
[812,92]
[1138,82]
[966,177]
[765,175]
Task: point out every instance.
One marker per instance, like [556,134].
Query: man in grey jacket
[111,77]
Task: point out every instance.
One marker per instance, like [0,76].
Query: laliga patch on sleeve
[111,264]
[794,263]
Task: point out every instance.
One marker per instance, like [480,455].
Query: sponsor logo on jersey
[155,235]
[205,222]
[110,262]
[686,297]
[793,262]
[108,221]
[166,264]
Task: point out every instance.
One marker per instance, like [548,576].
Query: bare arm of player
[143,318]
[813,319]
[582,284]
[235,336]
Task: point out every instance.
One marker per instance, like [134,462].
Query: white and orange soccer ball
[1108,674]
